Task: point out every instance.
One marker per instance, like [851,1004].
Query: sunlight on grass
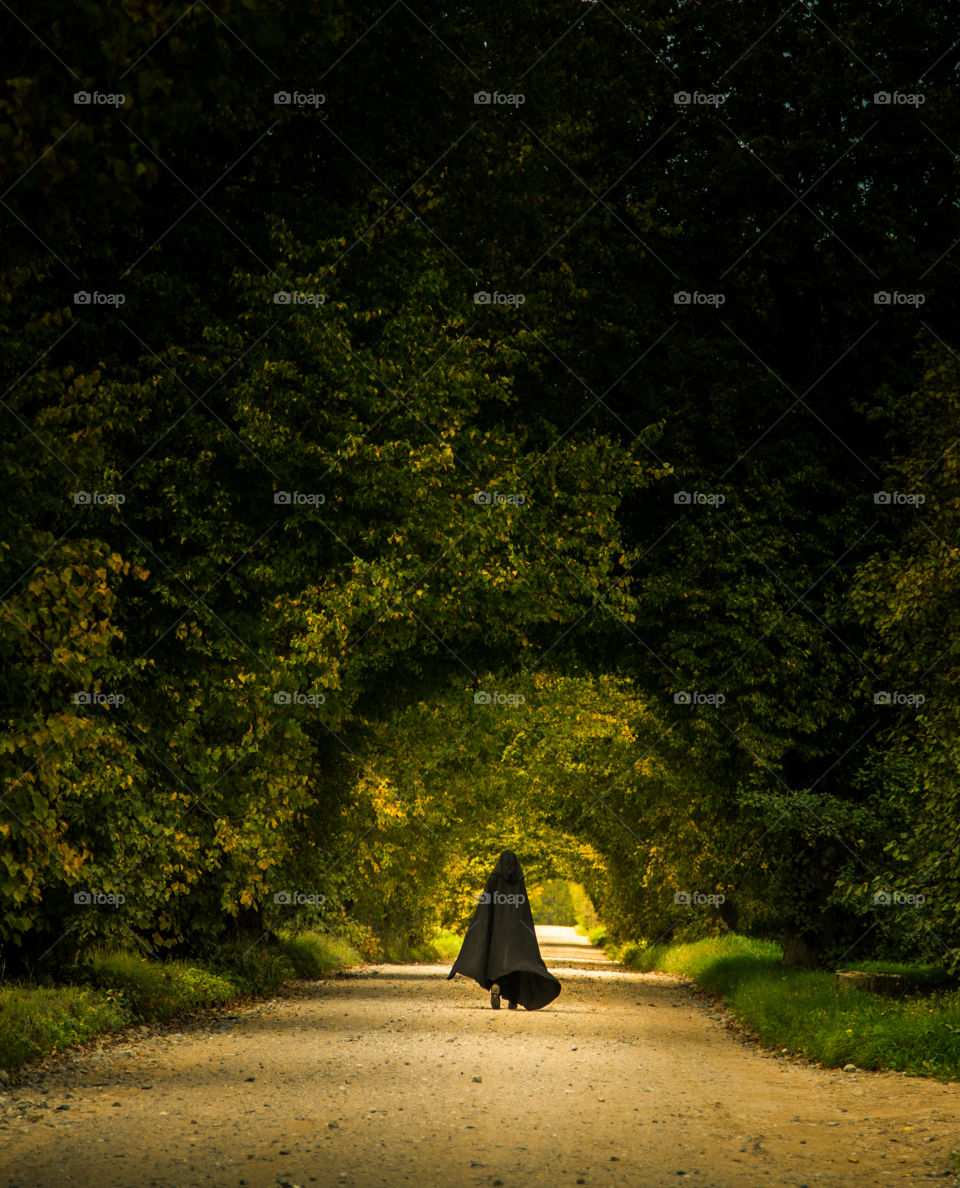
[804,1011]
[117,988]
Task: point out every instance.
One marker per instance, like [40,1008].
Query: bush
[313,954]
[158,989]
[37,1021]
[116,987]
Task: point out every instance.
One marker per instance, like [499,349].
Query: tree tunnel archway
[576,773]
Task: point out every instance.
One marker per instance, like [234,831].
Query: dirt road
[395,1076]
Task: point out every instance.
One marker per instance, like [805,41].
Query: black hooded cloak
[501,945]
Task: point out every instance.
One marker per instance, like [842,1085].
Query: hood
[508,867]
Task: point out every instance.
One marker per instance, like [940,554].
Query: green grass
[117,988]
[158,990]
[804,1011]
[37,1021]
[313,954]
[444,945]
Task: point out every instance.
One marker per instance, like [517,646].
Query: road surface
[392,1075]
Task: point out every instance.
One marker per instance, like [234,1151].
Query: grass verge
[804,1011]
[444,945]
[117,988]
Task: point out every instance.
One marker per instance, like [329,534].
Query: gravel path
[392,1075]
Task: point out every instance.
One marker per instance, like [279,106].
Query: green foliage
[36,1021]
[387,789]
[115,988]
[802,1009]
[552,903]
[702,959]
[313,954]
[559,901]
[445,945]
[441,946]
[587,919]
[908,592]
[157,990]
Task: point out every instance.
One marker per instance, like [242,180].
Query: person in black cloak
[500,951]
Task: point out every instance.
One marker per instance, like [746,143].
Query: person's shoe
[495,996]
[511,1006]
